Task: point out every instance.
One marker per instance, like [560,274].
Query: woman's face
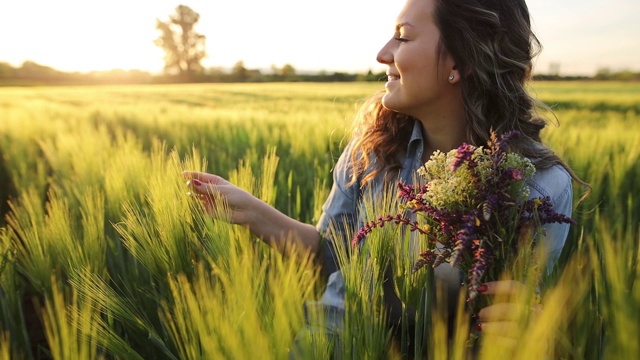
[417,80]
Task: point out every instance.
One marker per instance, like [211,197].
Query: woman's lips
[391,79]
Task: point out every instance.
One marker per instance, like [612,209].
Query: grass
[103,254]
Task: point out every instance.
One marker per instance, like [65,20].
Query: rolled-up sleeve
[556,234]
[556,184]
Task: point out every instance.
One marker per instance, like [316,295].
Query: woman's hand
[264,221]
[215,192]
[511,305]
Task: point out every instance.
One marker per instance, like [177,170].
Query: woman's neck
[444,125]
[443,133]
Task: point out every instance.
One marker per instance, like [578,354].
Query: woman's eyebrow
[402,24]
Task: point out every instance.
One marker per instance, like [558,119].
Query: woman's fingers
[511,305]
[221,199]
[202,188]
[204,177]
[501,312]
[207,184]
[506,329]
[209,189]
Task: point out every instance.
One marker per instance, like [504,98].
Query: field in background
[104,254]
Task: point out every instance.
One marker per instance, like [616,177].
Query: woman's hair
[493,46]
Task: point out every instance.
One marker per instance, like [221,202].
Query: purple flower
[427,258]
[516,174]
[480,235]
[464,238]
[463,154]
[482,258]
[542,209]
[381,221]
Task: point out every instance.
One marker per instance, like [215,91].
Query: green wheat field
[104,255]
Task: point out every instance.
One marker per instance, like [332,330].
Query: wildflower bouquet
[476,210]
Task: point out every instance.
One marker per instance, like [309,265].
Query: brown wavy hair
[493,46]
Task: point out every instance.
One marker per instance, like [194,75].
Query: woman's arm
[263,220]
[339,214]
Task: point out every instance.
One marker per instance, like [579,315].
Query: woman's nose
[385,55]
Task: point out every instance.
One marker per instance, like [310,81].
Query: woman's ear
[454,75]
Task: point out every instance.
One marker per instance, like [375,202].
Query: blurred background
[118,40]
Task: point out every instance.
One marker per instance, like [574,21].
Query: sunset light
[74,35]
[334,179]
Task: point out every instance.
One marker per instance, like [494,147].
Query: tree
[239,71]
[6,70]
[288,71]
[184,48]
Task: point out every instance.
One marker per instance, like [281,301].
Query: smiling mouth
[393,77]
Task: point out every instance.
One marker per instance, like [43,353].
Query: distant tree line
[601,75]
[624,75]
[30,73]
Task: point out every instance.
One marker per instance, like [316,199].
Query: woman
[456,70]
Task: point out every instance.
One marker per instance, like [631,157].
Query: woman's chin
[389,103]
[387,100]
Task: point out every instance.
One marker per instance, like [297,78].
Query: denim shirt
[342,209]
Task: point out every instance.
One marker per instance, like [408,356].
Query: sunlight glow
[334,35]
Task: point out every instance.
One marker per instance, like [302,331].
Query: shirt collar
[415,147]
[416,134]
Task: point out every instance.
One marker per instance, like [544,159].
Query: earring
[451,77]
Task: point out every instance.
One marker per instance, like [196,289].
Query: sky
[580,36]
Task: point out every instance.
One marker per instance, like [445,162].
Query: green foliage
[100,237]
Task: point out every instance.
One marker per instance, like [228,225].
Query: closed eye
[401,39]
